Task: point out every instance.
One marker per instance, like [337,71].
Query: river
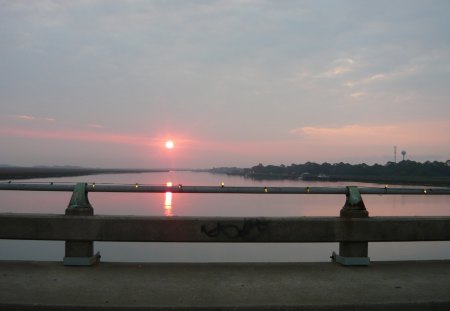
[158,204]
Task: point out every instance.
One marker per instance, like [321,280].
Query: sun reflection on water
[168,204]
[168,201]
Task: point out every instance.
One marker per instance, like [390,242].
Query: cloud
[31,118]
[364,81]
[357,94]
[340,66]
[96,126]
[348,131]
[87,136]
[344,61]
[419,133]
[92,136]
[24,117]
[336,71]
[407,71]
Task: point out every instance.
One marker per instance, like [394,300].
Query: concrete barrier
[222,229]
[79,227]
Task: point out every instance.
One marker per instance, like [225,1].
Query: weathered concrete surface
[222,229]
[415,285]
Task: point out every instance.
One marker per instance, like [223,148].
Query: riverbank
[401,173]
[383,180]
[18,172]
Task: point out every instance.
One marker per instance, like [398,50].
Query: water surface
[252,205]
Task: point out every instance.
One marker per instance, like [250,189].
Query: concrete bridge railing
[353,229]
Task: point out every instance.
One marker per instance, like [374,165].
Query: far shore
[383,180]
[18,172]
[8,173]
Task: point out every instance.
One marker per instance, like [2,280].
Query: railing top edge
[147,188]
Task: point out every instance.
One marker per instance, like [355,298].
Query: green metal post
[352,253]
[80,253]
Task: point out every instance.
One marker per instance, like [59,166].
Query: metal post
[80,253]
[352,253]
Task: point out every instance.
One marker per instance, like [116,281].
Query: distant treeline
[403,168]
[17,172]
[403,172]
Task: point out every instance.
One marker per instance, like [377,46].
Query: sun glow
[169,144]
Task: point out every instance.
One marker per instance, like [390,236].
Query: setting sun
[169,144]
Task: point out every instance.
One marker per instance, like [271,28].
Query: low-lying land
[404,172]
[16,172]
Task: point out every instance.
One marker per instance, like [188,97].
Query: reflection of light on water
[168,204]
[168,201]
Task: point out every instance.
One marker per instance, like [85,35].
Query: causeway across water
[407,285]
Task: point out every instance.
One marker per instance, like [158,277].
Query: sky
[231,82]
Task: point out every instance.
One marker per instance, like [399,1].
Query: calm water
[218,205]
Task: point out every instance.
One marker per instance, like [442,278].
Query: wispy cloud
[340,67]
[24,117]
[407,71]
[336,71]
[96,126]
[347,131]
[91,136]
[358,94]
[31,118]
[370,79]
[413,133]
[87,136]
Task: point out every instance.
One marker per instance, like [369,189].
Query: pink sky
[233,83]
[354,142]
